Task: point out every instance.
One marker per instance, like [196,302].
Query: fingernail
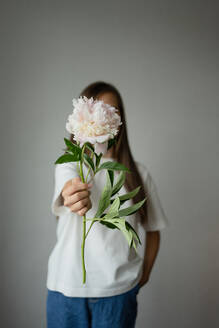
[90,185]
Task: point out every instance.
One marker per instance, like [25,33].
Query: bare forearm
[151,250]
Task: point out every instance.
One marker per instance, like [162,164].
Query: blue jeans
[119,311]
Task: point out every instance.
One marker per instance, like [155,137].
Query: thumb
[76,179]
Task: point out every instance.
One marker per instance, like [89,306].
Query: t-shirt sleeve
[157,219]
[63,173]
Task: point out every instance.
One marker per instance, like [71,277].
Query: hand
[76,196]
[144,280]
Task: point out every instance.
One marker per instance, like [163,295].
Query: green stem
[95,219]
[78,169]
[82,249]
[86,181]
[89,167]
[84,221]
[90,226]
[84,217]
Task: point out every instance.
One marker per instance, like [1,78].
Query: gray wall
[163,57]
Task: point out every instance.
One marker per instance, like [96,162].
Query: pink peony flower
[93,121]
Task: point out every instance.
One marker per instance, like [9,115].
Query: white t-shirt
[111,266]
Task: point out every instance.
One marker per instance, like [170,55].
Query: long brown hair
[121,149]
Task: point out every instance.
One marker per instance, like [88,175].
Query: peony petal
[103,138]
[93,120]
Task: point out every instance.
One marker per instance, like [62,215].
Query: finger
[71,189]
[79,205]
[76,179]
[83,211]
[70,200]
[72,181]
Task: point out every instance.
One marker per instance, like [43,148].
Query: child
[114,272]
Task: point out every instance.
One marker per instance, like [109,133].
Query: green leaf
[129,232]
[76,150]
[104,201]
[111,173]
[121,201]
[98,157]
[120,223]
[119,182]
[89,161]
[127,196]
[89,146]
[125,227]
[113,210]
[135,235]
[131,209]
[68,151]
[130,194]
[113,166]
[108,224]
[67,158]
[133,245]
